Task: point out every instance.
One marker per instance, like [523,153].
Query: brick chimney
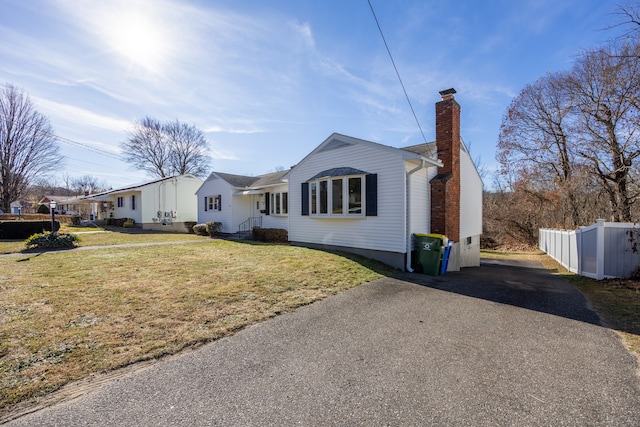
[445,186]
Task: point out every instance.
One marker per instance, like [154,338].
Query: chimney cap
[448,93]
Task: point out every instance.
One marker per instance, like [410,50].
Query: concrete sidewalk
[500,345]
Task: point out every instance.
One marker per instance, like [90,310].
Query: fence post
[579,250]
[600,249]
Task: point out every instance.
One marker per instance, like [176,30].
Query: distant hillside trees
[28,145]
[166,149]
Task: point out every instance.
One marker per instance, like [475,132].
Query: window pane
[355,196]
[272,205]
[336,196]
[278,203]
[313,197]
[324,187]
[285,203]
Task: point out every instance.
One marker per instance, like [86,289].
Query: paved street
[505,344]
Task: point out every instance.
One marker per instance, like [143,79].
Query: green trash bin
[429,252]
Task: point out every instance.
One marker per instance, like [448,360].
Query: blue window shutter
[220,202]
[372,194]
[267,203]
[305,198]
[205,203]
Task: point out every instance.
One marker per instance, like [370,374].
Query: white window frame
[210,203]
[279,203]
[344,211]
[120,201]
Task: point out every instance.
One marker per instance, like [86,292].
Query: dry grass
[616,301]
[66,315]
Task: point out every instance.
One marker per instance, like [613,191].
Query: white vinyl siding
[420,201]
[124,208]
[470,198]
[174,199]
[384,232]
[217,190]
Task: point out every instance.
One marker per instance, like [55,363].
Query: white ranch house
[359,196]
[242,202]
[162,204]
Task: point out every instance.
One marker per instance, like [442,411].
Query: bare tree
[166,149]
[536,136]
[188,149]
[606,89]
[87,184]
[629,22]
[147,148]
[28,146]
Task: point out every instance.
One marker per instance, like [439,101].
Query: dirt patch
[634,285]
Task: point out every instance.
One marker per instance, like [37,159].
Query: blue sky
[270,80]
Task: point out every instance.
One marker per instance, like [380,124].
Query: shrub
[117,222]
[189,226]
[76,220]
[213,228]
[200,229]
[271,235]
[51,241]
[129,223]
[43,209]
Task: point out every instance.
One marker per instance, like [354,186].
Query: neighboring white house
[362,197]
[163,204]
[242,202]
[73,205]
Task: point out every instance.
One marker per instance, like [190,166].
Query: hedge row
[118,222]
[64,219]
[272,235]
[24,229]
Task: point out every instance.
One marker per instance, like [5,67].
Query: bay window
[341,193]
[327,196]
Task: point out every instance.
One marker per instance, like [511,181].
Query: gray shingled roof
[237,180]
[270,179]
[242,181]
[337,172]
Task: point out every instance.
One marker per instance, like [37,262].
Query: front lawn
[66,315]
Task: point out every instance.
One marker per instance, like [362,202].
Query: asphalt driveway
[500,345]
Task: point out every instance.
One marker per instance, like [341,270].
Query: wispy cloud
[232,130]
[66,112]
[303,31]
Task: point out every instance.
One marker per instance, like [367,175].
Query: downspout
[408,214]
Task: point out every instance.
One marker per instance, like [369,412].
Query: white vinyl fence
[602,250]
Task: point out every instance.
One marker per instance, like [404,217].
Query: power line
[89,148]
[397,72]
